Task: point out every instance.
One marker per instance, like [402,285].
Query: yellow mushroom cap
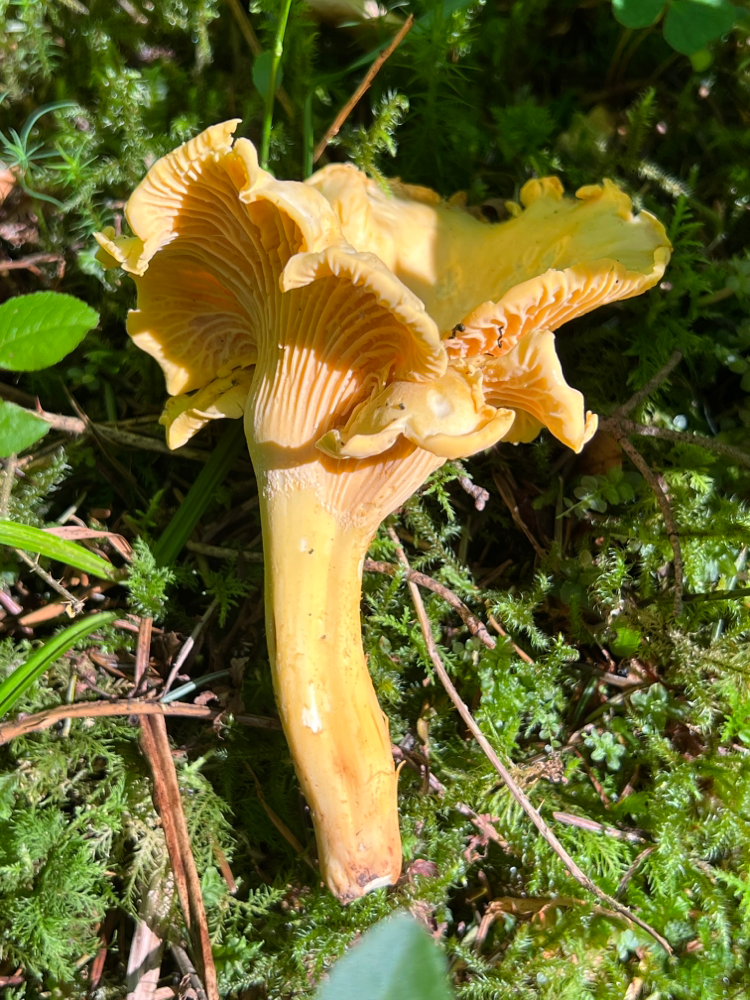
[557,258]
[232,265]
[343,290]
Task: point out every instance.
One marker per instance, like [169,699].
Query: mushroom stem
[337,733]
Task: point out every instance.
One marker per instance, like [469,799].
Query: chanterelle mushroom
[365,338]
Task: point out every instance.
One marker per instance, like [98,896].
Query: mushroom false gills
[364,338]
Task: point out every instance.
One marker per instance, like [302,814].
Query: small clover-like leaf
[637,13]
[691,24]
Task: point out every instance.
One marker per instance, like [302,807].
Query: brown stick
[76,425]
[475,626]
[40,721]
[674,359]
[155,745]
[584,823]
[29,262]
[510,502]
[369,76]
[620,425]
[516,791]
[142,652]
[75,603]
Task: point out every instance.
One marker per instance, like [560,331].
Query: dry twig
[76,605]
[618,426]
[369,76]
[40,721]
[506,493]
[516,791]
[474,624]
[187,646]
[142,652]
[155,745]
[656,380]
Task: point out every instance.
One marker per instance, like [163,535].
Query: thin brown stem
[620,425]
[369,76]
[513,787]
[30,262]
[640,858]
[475,626]
[75,604]
[505,491]
[187,646]
[142,651]
[584,823]
[674,359]
[40,721]
[168,803]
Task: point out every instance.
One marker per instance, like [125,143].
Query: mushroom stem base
[337,733]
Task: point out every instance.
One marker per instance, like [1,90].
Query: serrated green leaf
[37,330]
[691,24]
[637,13]
[19,428]
[23,677]
[23,536]
[396,960]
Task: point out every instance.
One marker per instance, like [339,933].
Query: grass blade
[23,677]
[23,536]
[199,495]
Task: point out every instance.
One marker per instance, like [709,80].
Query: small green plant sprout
[605,748]
[147,582]
[597,492]
[21,155]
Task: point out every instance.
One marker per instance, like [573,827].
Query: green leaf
[396,960]
[192,508]
[701,60]
[19,428]
[23,536]
[262,73]
[23,677]
[626,642]
[637,13]
[691,24]
[38,330]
